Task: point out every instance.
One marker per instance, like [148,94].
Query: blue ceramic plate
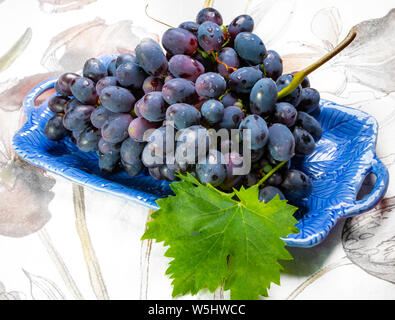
[342,158]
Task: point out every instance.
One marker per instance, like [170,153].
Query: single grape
[57,104]
[183,66]
[78,118]
[179,41]
[179,90]
[309,101]
[212,111]
[182,115]
[304,142]
[296,185]
[250,179]
[294,97]
[151,57]
[108,163]
[63,84]
[54,128]
[94,69]
[71,104]
[155,173]
[130,75]
[263,96]
[285,113]
[131,149]
[117,99]
[134,168]
[268,193]
[152,84]
[258,130]
[273,65]
[243,79]
[104,83]
[84,90]
[125,57]
[210,85]
[250,48]
[169,171]
[106,147]
[112,68]
[192,144]
[275,179]
[213,171]
[88,140]
[310,124]
[210,36]
[191,26]
[100,115]
[281,143]
[139,126]
[242,23]
[153,106]
[116,129]
[229,61]
[229,100]
[232,118]
[209,14]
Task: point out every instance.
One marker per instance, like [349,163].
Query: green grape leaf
[217,238]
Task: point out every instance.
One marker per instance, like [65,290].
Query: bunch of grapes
[209,76]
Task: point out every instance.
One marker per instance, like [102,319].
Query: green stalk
[267,176]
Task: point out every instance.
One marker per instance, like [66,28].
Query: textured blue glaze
[342,158]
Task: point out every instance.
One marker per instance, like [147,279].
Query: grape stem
[267,176]
[299,76]
[157,20]
[208,3]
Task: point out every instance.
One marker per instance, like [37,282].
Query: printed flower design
[59,6]
[9,295]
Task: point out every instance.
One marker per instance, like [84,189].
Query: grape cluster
[209,76]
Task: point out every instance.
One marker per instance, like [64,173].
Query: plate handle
[28,103]
[378,191]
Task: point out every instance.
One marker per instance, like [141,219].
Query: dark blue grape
[232,118]
[179,90]
[117,99]
[179,41]
[112,68]
[250,179]
[63,84]
[134,168]
[182,115]
[153,107]
[212,111]
[309,101]
[183,66]
[304,142]
[210,36]
[273,65]
[281,143]
[54,128]
[130,75]
[229,100]
[213,171]
[192,144]
[268,193]
[78,118]
[229,57]
[275,179]
[125,57]
[115,130]
[88,140]
[84,90]
[131,149]
[210,85]
[169,171]
[250,48]
[152,84]
[94,69]
[104,83]
[155,173]
[258,130]
[310,124]
[191,26]
[71,104]
[58,104]
[138,128]
[294,97]
[108,163]
[296,185]
[285,113]
[106,147]
[151,57]
[100,115]
[209,14]
[243,79]
[242,23]
[263,96]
